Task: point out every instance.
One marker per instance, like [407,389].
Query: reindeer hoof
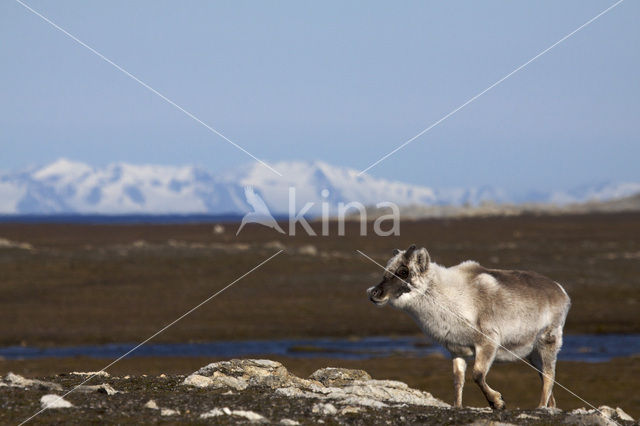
[498,404]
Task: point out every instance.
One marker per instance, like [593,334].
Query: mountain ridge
[71,187]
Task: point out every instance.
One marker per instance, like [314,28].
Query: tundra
[479,313]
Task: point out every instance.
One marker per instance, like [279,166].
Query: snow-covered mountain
[71,187]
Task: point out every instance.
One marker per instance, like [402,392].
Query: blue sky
[341,82]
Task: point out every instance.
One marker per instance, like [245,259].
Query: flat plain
[74,284]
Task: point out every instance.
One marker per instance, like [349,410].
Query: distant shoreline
[409,212]
[120,219]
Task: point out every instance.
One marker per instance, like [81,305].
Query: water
[589,348]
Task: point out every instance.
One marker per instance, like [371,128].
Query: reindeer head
[401,277]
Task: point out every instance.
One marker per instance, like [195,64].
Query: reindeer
[481,313]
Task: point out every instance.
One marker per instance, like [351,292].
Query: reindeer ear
[409,252]
[396,252]
[423,259]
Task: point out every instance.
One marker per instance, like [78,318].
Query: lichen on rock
[340,385]
[238,374]
[332,376]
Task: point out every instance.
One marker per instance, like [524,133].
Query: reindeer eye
[402,272]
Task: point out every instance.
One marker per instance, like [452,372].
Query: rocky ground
[254,391]
[65,284]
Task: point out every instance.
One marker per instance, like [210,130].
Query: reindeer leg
[536,360]
[459,368]
[548,377]
[485,354]
[548,348]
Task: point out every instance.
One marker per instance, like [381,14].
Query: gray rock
[151,404]
[216,381]
[612,413]
[480,409]
[550,410]
[487,422]
[308,250]
[293,392]
[244,367]
[252,416]
[289,422]
[604,416]
[324,409]
[339,376]
[525,416]
[339,385]
[360,400]
[90,373]
[169,412]
[239,374]
[18,381]
[275,245]
[104,388]
[387,392]
[368,393]
[222,380]
[198,381]
[214,412]
[350,409]
[623,416]
[589,419]
[4,243]
[54,401]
